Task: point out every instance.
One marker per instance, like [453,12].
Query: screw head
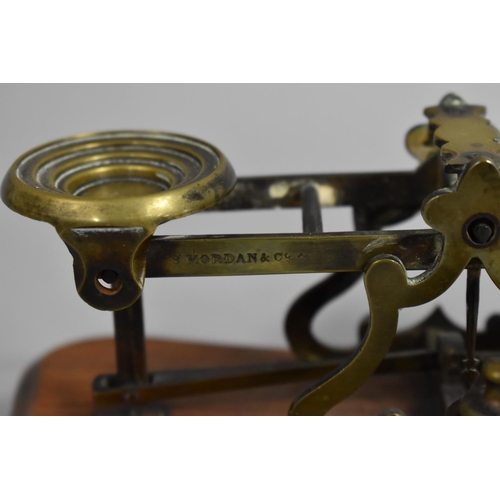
[481,230]
[452,101]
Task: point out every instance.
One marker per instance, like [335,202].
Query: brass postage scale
[106,193]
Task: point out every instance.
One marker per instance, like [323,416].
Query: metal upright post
[311,210]
[470,372]
[130,343]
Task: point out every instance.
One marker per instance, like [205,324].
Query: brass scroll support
[456,214]
[468,218]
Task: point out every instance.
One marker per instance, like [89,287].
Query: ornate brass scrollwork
[453,213]
[467,216]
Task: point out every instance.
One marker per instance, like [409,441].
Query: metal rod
[180,383]
[311,210]
[394,189]
[470,372]
[130,344]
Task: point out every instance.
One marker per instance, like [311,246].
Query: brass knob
[491,371]
[419,143]
[484,399]
[105,193]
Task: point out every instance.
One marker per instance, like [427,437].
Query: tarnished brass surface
[171,256]
[462,132]
[131,180]
[117,179]
[106,193]
[420,144]
[484,399]
[467,216]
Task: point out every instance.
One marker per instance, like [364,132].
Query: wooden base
[60,384]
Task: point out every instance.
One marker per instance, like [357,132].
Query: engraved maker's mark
[232,258]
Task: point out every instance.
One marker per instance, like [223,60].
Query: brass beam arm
[237,255]
[394,189]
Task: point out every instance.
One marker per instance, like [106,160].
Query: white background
[227,41]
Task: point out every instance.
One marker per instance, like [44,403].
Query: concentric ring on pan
[121,178]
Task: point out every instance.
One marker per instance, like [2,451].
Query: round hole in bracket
[108,282]
[481,230]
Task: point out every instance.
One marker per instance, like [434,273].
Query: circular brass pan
[117,179]
[106,193]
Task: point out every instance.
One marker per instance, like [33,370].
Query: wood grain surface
[60,384]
